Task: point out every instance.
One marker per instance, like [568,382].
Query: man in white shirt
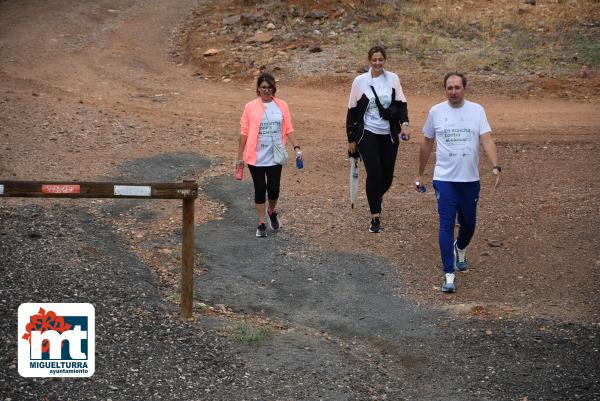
[458,127]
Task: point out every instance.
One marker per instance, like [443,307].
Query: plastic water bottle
[239,172]
[299,162]
[420,187]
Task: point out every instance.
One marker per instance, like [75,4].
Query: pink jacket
[250,125]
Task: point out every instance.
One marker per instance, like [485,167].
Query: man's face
[455,91]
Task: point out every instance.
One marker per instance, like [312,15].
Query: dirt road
[89,88]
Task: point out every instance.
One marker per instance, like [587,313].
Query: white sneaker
[460,259]
[448,283]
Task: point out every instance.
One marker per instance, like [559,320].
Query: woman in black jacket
[377,113]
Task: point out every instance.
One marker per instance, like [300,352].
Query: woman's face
[265,91]
[376,63]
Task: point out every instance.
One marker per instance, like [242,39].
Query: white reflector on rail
[132,190]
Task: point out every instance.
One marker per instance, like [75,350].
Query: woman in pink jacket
[266,120]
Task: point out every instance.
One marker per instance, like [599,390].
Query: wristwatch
[405,124]
[497,168]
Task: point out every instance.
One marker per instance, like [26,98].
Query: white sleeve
[428,128]
[355,93]
[399,92]
[484,126]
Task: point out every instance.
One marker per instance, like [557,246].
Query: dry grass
[248,333]
[550,49]
[554,37]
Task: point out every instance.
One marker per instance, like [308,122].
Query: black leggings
[266,179]
[379,155]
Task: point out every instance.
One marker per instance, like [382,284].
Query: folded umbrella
[353,180]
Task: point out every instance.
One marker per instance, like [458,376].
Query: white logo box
[77,358]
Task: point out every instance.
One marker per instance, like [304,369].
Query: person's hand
[239,163]
[498,173]
[405,133]
[352,149]
[418,183]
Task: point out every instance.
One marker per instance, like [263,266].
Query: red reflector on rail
[61,189]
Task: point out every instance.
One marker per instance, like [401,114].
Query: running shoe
[273,219]
[460,259]
[448,283]
[261,230]
[375,226]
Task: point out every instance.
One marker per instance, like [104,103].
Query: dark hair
[455,74]
[377,49]
[268,78]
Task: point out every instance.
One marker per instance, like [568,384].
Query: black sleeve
[351,124]
[403,112]
[403,107]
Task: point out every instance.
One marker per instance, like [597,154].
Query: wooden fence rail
[186,190]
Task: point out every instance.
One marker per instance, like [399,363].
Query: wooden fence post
[187,259]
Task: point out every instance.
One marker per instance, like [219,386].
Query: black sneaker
[274,220]
[261,230]
[374,227]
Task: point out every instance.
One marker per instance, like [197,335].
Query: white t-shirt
[269,132]
[373,121]
[457,132]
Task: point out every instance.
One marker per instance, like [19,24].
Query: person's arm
[244,129]
[424,152]
[400,98]
[292,138]
[289,129]
[490,150]
[351,117]
[241,147]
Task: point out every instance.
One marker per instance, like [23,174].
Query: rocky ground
[334,325]
[325,42]
[321,310]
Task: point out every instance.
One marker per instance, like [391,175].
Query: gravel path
[424,354]
[346,334]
